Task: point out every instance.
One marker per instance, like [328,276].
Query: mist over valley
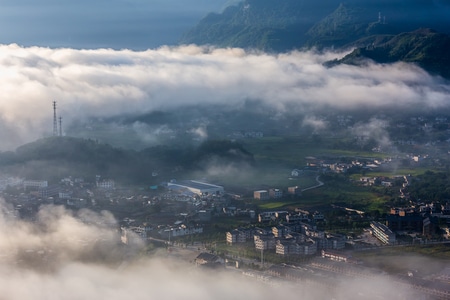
[225,149]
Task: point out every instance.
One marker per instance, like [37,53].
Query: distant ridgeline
[284,25]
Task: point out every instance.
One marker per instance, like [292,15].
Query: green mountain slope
[283,25]
[424,47]
[346,24]
[261,24]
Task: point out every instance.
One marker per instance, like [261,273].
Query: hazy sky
[118,24]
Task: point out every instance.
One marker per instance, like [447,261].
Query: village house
[208,260]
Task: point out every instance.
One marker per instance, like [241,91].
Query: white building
[35,184]
[296,172]
[383,233]
[106,184]
[197,187]
[286,247]
[182,230]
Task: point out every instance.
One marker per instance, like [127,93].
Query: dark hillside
[261,24]
[56,157]
[424,47]
[289,24]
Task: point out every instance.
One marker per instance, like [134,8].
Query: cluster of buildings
[331,165]
[291,237]
[247,135]
[409,220]
[276,193]
[104,194]
[188,205]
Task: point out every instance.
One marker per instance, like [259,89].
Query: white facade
[197,187]
[35,184]
[308,247]
[383,233]
[181,231]
[106,184]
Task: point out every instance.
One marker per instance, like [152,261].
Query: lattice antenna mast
[55,123]
[60,126]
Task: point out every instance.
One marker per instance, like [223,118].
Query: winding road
[319,184]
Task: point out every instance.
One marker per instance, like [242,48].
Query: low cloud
[56,237]
[315,123]
[199,133]
[66,255]
[106,82]
[374,130]
[151,135]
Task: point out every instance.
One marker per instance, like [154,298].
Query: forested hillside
[288,24]
[424,47]
[55,157]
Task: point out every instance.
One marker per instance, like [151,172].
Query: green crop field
[286,151]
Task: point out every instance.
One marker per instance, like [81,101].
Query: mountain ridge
[291,24]
[424,47]
[286,25]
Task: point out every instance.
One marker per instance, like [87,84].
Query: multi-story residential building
[261,195]
[35,184]
[236,236]
[293,247]
[404,219]
[264,242]
[299,217]
[294,190]
[181,230]
[280,231]
[314,233]
[268,216]
[133,235]
[275,193]
[106,184]
[383,233]
[339,256]
[49,191]
[282,247]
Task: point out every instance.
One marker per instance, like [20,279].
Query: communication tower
[60,126]
[55,123]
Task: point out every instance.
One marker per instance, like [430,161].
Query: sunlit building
[261,195]
[383,233]
[236,236]
[197,187]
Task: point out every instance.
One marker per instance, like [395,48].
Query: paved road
[319,184]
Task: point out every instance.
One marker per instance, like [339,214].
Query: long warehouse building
[197,187]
